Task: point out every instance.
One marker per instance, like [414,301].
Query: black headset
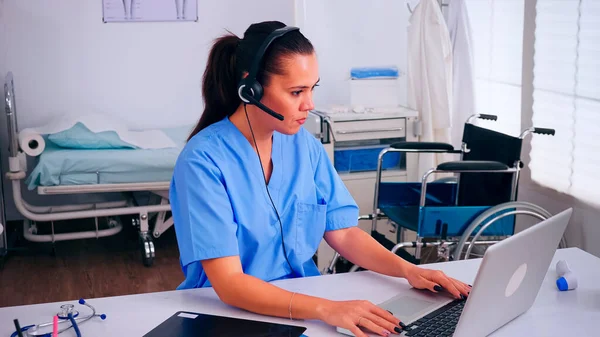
[249,90]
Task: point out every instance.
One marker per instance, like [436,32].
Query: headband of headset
[249,86]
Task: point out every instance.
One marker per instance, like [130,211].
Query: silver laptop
[510,277]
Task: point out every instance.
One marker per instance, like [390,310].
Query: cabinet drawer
[370,129]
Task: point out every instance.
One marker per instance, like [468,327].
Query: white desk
[572,313]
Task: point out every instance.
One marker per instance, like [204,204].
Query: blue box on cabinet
[361,159]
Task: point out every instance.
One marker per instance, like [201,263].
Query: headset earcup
[252,89]
[244,91]
[257,90]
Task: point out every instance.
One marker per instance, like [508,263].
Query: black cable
[267,188]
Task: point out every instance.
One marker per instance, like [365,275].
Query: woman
[235,233]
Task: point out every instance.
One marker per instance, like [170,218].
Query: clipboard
[188,324]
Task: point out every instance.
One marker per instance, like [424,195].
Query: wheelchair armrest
[424,146]
[544,131]
[472,165]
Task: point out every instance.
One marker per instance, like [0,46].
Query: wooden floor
[41,272]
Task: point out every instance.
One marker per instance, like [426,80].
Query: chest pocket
[310,227]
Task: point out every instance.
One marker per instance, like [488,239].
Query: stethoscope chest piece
[67,309]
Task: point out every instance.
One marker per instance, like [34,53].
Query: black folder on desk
[188,324]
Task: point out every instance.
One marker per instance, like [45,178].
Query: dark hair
[230,56]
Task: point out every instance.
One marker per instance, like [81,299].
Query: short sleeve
[201,208]
[342,211]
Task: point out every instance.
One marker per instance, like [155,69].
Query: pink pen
[55,326]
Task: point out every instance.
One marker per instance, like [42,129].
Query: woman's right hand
[353,315]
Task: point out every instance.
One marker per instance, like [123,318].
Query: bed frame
[110,210]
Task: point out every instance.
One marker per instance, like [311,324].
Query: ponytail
[219,84]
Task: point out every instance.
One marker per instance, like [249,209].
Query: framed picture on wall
[149,10]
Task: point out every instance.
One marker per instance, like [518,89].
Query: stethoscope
[67,314]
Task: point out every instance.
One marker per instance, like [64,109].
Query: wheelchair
[476,206]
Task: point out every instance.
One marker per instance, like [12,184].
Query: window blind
[566,97]
[497,32]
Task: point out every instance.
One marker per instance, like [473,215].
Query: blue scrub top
[221,208]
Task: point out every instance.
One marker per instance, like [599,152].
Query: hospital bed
[476,206]
[98,172]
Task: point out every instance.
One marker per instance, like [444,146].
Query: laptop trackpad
[408,308]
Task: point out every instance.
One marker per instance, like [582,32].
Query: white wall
[2,57]
[2,44]
[3,138]
[354,33]
[583,230]
[66,60]
[2,51]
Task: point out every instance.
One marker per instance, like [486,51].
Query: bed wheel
[147,250]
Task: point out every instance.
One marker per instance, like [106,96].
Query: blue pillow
[80,137]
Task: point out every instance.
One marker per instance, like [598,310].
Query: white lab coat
[463,69]
[430,78]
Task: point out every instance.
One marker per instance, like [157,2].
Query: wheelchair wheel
[489,217]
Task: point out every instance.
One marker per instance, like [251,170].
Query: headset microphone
[263,107]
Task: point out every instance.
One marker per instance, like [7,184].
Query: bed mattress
[59,166]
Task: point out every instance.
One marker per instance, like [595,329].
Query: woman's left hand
[436,281]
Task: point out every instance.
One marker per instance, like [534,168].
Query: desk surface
[572,313]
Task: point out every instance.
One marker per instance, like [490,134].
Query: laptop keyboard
[440,322]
